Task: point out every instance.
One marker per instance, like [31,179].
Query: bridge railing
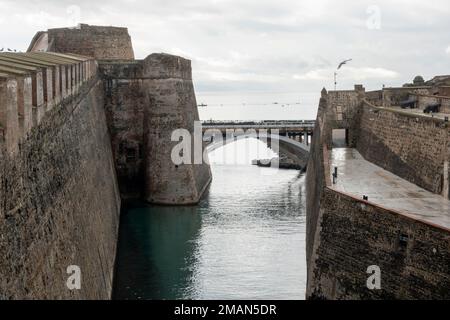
[260,124]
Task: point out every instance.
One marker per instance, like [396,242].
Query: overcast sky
[261,45]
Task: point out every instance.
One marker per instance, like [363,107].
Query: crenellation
[37,89]
[42,81]
[84,69]
[69,80]
[24,101]
[48,88]
[38,96]
[45,225]
[74,79]
[56,85]
[63,81]
[79,79]
[76,76]
[9,116]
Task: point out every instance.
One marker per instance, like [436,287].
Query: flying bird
[344,62]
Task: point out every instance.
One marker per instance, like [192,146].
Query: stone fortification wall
[354,235]
[410,146]
[126,106]
[346,235]
[145,101]
[315,176]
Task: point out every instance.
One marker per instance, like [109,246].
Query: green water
[245,240]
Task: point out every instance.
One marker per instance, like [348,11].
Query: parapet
[155,66]
[101,43]
[162,66]
[33,83]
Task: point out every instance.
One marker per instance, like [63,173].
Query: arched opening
[340,138]
[262,149]
[243,151]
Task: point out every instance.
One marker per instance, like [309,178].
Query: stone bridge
[292,137]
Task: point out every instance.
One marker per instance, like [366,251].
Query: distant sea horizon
[257,105]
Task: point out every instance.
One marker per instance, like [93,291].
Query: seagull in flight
[344,62]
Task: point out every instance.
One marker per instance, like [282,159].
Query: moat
[245,240]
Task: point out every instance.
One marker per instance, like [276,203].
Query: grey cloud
[261,44]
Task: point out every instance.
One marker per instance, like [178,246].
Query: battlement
[421,95]
[408,100]
[33,83]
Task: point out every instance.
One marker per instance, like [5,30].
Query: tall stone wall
[354,235]
[346,235]
[413,148]
[126,106]
[172,106]
[315,178]
[146,101]
[60,204]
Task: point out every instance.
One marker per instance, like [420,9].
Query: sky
[261,47]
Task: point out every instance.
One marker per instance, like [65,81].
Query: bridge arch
[284,132]
[214,145]
[297,152]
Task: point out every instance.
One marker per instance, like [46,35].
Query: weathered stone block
[60,205]
[146,101]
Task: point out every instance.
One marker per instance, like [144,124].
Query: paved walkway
[359,177]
